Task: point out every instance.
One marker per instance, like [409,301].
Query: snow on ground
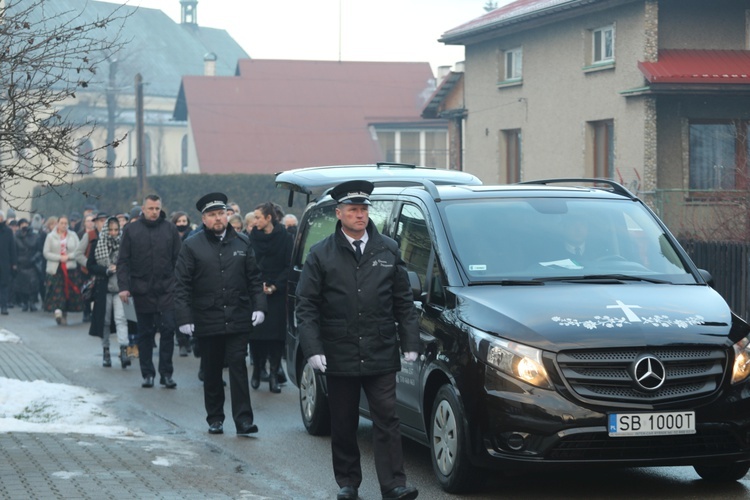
[41,406]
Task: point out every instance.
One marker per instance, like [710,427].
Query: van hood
[561,316]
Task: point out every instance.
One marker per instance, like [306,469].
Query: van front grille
[607,376]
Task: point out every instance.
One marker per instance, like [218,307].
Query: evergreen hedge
[178,192]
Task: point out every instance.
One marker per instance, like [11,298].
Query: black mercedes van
[562,325]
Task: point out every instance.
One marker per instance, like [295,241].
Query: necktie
[358,249]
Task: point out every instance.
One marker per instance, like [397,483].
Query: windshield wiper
[507,282]
[606,277]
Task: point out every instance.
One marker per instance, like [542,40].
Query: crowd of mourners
[67,263]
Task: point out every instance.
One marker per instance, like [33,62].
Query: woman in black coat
[272,245]
[26,282]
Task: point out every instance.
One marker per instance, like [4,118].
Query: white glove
[318,362]
[410,356]
[258,317]
[187,329]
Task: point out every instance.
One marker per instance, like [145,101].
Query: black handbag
[87,289]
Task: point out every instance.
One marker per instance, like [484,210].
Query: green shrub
[178,192]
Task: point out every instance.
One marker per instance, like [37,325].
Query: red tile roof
[281,114]
[699,66]
[515,12]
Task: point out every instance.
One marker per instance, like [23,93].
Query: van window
[322,220]
[414,240]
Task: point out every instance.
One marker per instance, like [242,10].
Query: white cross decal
[627,310]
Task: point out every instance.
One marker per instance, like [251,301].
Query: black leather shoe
[281,375]
[167,382]
[246,429]
[216,428]
[273,383]
[347,493]
[401,493]
[255,379]
[148,382]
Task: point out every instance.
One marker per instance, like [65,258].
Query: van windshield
[551,238]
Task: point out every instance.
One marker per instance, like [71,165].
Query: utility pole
[111,114]
[140,162]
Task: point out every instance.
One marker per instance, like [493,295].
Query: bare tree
[48,58]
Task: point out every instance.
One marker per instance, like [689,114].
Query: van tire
[313,403]
[450,461]
[722,473]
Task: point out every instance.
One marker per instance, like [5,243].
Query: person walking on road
[7,263]
[145,274]
[108,308]
[219,299]
[62,295]
[181,220]
[26,282]
[272,245]
[354,309]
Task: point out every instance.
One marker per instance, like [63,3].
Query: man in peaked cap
[329,305]
[353,192]
[216,268]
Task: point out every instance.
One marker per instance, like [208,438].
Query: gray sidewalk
[71,466]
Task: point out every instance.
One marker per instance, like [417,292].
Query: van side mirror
[707,277]
[416,285]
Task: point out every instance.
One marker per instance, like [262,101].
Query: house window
[513,60]
[603,45]
[719,152]
[410,150]
[85,155]
[184,154]
[426,147]
[436,149]
[512,139]
[603,149]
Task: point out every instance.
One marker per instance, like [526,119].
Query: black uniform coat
[145,267]
[7,254]
[273,253]
[348,310]
[29,255]
[218,284]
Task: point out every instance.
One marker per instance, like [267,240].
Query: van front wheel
[313,403]
[448,442]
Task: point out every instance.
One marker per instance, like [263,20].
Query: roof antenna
[339,30]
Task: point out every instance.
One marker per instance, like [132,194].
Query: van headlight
[517,360]
[741,368]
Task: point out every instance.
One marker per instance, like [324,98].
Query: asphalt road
[282,453]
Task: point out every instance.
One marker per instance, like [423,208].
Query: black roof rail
[383,164]
[617,188]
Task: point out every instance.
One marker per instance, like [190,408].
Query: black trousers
[343,400]
[148,324]
[215,350]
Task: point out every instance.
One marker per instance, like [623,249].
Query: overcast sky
[377,30]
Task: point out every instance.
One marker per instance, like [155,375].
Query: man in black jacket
[7,263]
[219,299]
[145,273]
[352,293]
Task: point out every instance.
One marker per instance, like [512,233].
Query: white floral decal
[658,321]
